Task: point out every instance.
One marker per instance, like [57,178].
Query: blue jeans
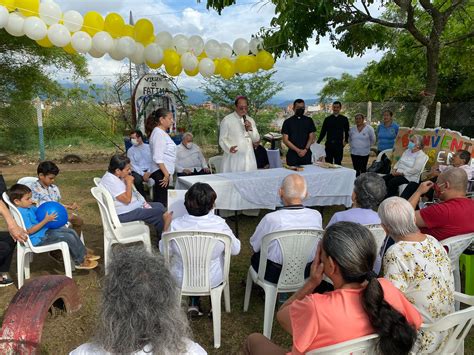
[68,235]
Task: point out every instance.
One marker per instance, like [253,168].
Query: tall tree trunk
[431,85]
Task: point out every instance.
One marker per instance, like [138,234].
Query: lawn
[62,332]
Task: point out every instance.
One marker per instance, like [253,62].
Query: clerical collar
[291,207]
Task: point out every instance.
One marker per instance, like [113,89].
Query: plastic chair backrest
[387,152]
[27,180]
[456,245]
[100,194]
[96,181]
[379,234]
[109,203]
[363,345]
[296,247]
[196,250]
[16,215]
[216,162]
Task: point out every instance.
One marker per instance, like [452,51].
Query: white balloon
[35,28]
[81,42]
[189,61]
[102,42]
[226,50]
[164,40]
[95,53]
[241,46]
[206,67]
[180,42]
[73,20]
[126,46]
[115,53]
[212,48]
[255,45]
[3,16]
[196,44]
[50,12]
[153,53]
[138,57]
[15,25]
[59,35]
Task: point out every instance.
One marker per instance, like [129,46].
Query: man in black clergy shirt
[298,134]
[336,127]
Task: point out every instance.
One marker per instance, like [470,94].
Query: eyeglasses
[242,107]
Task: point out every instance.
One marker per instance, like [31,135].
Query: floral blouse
[422,271]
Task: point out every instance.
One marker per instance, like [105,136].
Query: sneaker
[4,282]
[87,265]
[92,257]
[57,256]
[194,311]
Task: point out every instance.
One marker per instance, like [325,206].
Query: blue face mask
[411,145]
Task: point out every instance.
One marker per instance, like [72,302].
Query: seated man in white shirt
[293,215]
[199,202]
[140,159]
[189,158]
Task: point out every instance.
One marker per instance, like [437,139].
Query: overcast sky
[301,76]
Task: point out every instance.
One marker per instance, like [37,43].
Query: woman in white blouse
[163,152]
[361,138]
[408,168]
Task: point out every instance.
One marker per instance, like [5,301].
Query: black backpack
[380,167]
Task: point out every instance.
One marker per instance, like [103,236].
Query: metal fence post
[39,117]
[438,115]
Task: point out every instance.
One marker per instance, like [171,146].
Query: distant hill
[290,102]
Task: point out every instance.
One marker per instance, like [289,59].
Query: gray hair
[187,134]
[398,217]
[419,140]
[140,305]
[294,187]
[370,190]
[456,177]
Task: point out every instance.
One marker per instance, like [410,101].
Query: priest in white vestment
[237,133]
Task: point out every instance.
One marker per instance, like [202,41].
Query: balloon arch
[95,35]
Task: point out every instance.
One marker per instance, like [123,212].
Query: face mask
[411,145]
[189,145]
[299,112]
[437,189]
[134,141]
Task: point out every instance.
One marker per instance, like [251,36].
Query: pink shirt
[326,319]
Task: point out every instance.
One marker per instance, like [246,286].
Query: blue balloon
[50,208]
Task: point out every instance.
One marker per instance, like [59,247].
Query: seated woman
[199,202]
[369,191]
[129,204]
[360,305]
[419,266]
[140,310]
[408,168]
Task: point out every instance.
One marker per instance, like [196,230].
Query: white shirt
[209,223]
[140,158]
[189,158]
[361,142]
[163,150]
[411,164]
[192,348]
[233,133]
[465,167]
[116,187]
[281,220]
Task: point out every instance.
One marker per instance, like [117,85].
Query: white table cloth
[274,158]
[259,189]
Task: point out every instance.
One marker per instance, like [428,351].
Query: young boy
[20,195]
[45,190]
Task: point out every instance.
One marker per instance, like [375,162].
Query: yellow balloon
[154,66]
[253,66]
[173,70]
[192,72]
[243,64]
[114,24]
[171,58]
[226,68]
[9,4]
[144,31]
[128,30]
[69,49]
[202,55]
[265,60]
[93,22]
[45,42]
[28,7]
[216,64]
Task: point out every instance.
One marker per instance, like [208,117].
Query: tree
[353,27]
[258,87]
[25,68]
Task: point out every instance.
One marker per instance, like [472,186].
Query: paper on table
[176,203]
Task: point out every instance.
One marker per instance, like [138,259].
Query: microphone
[245,120]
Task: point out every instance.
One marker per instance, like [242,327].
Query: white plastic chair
[216,163]
[456,245]
[23,249]
[379,234]
[296,247]
[363,345]
[114,230]
[402,187]
[196,252]
[27,180]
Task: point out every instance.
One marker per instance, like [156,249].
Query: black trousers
[195,172]
[334,153]
[138,182]
[359,162]
[293,159]
[160,194]
[413,186]
[273,270]
[7,247]
[392,183]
